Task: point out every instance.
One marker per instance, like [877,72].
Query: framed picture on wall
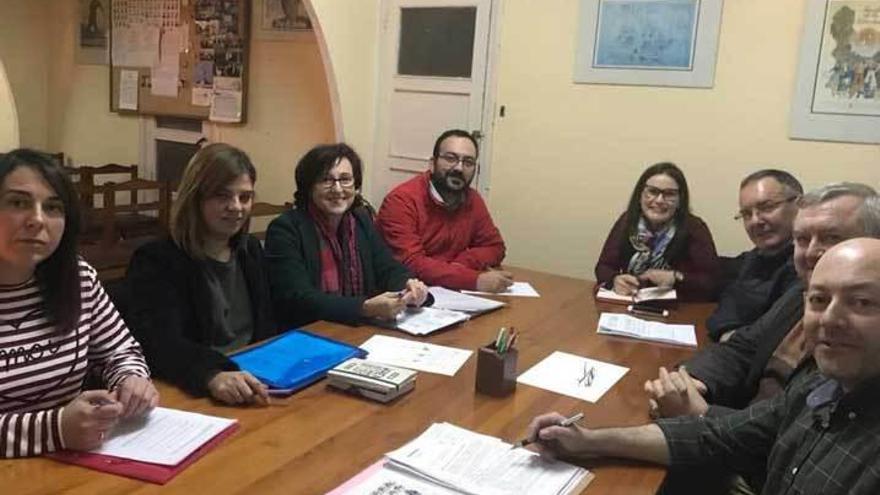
[281,20]
[92,32]
[836,97]
[648,42]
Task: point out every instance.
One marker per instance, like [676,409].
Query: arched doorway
[8,117]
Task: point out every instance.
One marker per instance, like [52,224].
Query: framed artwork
[836,96]
[92,34]
[648,42]
[281,20]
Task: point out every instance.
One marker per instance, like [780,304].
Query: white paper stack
[629,326]
[456,301]
[448,459]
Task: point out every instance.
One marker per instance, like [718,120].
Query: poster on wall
[93,32]
[648,42]
[836,96]
[281,20]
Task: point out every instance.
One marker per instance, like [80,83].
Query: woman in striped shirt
[56,322]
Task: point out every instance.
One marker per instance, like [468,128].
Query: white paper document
[468,462]
[630,326]
[128,89]
[165,436]
[574,376]
[415,355]
[646,294]
[456,301]
[422,321]
[521,289]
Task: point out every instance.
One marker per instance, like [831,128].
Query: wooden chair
[262,209]
[127,221]
[85,179]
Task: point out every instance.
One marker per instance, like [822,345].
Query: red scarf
[341,271]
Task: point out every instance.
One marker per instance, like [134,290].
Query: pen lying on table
[565,423]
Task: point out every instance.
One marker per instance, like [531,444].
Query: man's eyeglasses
[346,182]
[655,192]
[453,160]
[763,208]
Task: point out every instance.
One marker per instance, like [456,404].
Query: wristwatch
[679,277]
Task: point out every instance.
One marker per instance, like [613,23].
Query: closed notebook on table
[294,360]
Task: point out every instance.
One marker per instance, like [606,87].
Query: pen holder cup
[496,373]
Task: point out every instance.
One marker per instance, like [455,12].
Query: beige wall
[24,49]
[567,155]
[8,116]
[351,35]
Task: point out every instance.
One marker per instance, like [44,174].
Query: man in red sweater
[440,228]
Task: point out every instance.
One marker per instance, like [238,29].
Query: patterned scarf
[650,248]
[341,271]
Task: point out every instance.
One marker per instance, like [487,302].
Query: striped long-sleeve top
[41,371]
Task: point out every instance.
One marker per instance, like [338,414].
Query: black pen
[647,311]
[564,423]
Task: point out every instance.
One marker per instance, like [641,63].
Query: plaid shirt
[810,439]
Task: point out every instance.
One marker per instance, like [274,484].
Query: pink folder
[145,471]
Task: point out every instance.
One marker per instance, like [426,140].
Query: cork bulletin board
[182,58]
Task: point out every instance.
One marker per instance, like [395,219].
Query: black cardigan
[292,252]
[167,296]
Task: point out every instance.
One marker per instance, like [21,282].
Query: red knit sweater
[448,248]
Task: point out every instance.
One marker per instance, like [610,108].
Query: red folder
[145,471]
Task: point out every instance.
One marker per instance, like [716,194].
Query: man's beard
[453,196]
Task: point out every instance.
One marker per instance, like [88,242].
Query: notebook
[294,360]
[155,448]
[646,294]
[629,326]
[447,459]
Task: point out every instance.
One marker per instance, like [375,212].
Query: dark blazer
[761,280]
[691,251]
[292,252]
[733,369]
[168,293]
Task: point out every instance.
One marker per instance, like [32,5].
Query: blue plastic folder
[295,360]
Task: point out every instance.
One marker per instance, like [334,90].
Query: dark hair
[454,133]
[784,178]
[315,164]
[208,171]
[634,210]
[58,275]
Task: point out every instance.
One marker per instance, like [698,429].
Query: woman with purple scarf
[657,242]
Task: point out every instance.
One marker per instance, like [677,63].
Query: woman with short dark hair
[56,322]
[658,242]
[204,291]
[327,260]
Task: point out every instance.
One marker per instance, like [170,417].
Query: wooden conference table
[316,439]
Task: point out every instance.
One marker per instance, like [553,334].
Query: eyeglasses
[655,192]
[453,159]
[586,379]
[345,182]
[763,208]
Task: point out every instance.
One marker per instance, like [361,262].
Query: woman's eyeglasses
[655,192]
[345,182]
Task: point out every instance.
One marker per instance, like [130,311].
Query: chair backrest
[87,174]
[110,211]
[262,209]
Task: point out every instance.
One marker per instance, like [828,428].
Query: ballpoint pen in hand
[564,423]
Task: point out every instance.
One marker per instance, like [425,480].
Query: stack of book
[372,380]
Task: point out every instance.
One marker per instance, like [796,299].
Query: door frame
[490,85]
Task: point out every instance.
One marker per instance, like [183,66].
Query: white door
[433,77]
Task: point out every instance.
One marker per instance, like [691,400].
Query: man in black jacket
[760,276]
[757,361]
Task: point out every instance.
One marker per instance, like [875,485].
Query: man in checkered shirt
[820,436]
